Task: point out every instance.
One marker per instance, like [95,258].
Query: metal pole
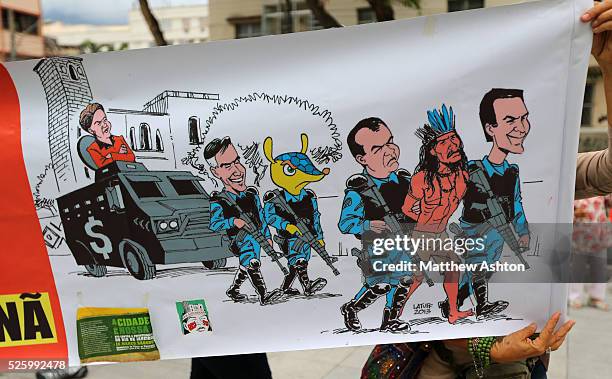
[11,20]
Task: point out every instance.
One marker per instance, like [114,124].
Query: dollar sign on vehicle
[106,247]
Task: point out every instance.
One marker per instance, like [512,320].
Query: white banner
[161,176]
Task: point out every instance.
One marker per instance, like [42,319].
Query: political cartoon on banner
[393,182]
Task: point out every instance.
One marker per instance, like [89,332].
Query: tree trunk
[287,19]
[152,22]
[382,9]
[324,18]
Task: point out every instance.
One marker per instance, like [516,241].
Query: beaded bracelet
[480,350]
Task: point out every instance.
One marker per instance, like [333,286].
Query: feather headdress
[440,122]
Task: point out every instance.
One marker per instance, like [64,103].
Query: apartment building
[249,18]
[20,30]
[180,25]
[252,18]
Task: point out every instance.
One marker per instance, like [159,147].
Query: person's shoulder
[356,183]
[403,175]
[93,146]
[271,194]
[252,191]
[418,180]
[474,163]
[214,197]
[419,175]
[311,194]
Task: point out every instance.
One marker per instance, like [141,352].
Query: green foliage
[89,47]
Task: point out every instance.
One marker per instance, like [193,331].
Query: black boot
[287,281]
[234,291]
[260,286]
[350,309]
[464,293]
[310,287]
[483,306]
[391,322]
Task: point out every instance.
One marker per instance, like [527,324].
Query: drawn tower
[67,91]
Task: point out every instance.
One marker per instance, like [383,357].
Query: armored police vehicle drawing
[135,218]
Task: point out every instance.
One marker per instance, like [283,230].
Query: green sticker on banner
[193,316]
[115,335]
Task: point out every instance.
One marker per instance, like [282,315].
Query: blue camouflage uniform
[222,218]
[355,219]
[305,206]
[504,180]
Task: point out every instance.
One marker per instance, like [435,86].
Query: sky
[99,12]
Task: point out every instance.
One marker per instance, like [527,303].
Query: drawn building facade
[148,131]
[149,135]
[67,91]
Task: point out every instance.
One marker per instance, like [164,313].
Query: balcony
[27,6]
[28,46]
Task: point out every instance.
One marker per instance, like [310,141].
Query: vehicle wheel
[217,263]
[137,262]
[96,270]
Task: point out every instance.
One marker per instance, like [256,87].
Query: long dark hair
[430,164]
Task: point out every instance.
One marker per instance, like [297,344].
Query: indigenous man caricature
[228,208]
[438,185]
[107,148]
[372,202]
[504,119]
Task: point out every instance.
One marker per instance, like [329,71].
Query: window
[463,5]
[274,18]
[194,130]
[145,136]
[203,24]
[146,189]
[24,23]
[248,29]
[185,187]
[73,72]
[186,24]
[587,107]
[165,24]
[305,22]
[133,138]
[365,16]
[159,144]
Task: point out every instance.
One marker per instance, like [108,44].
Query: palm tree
[152,23]
[383,10]
[324,18]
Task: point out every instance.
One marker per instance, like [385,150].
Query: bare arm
[594,169]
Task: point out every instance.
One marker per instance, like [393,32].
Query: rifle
[251,228]
[498,218]
[392,222]
[362,261]
[307,237]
